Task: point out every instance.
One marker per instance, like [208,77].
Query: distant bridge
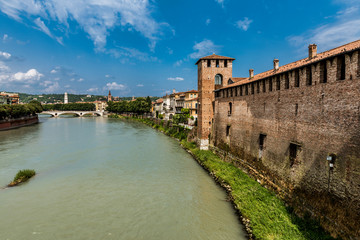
[77,113]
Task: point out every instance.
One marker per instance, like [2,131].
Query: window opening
[264,85]
[246,90]
[293,153]
[261,144]
[297,78]
[208,63]
[341,67]
[270,84]
[323,72]
[217,63]
[287,81]
[225,63]
[278,82]
[230,108]
[227,130]
[218,79]
[252,88]
[308,76]
[258,87]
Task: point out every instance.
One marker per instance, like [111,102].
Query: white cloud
[140,85]
[5,37]
[115,86]
[96,18]
[221,2]
[178,63]
[208,21]
[343,30]
[5,55]
[52,88]
[175,79]
[4,67]
[29,77]
[53,71]
[93,90]
[203,48]
[328,36]
[244,24]
[125,52]
[42,27]
[80,80]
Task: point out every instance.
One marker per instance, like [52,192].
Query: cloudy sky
[141,47]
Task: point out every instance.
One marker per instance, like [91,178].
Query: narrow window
[341,67]
[278,82]
[261,144]
[296,109]
[241,90]
[287,81]
[246,90]
[323,72]
[225,63]
[230,109]
[264,85]
[227,130]
[293,152]
[270,84]
[218,79]
[308,76]
[217,63]
[258,86]
[236,91]
[231,92]
[297,78]
[252,88]
[208,63]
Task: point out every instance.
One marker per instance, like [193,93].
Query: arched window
[218,79]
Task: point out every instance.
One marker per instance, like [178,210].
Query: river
[100,178]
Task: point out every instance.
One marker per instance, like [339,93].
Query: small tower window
[217,63]
[270,84]
[225,63]
[208,63]
[323,72]
[230,109]
[308,76]
[278,82]
[218,79]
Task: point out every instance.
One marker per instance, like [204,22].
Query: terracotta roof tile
[214,56]
[300,63]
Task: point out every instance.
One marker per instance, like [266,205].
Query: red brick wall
[327,121]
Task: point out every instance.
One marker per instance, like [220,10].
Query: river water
[101,178]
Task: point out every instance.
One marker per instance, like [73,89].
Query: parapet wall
[286,135]
[19,122]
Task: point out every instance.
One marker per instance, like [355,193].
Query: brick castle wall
[297,128]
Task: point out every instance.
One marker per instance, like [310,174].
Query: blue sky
[140,47]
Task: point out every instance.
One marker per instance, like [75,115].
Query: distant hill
[59,98]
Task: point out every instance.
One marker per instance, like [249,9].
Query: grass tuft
[22,176]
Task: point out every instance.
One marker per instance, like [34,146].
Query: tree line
[70,107]
[20,110]
[140,105]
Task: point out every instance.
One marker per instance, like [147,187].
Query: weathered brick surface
[206,87]
[321,119]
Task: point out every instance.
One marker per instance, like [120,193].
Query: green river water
[100,178]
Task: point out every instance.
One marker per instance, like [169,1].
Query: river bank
[18,122]
[264,215]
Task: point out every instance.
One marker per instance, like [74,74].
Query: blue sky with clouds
[141,47]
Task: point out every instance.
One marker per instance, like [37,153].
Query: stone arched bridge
[77,113]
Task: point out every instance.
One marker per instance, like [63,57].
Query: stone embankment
[18,122]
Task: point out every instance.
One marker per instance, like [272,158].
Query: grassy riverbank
[267,215]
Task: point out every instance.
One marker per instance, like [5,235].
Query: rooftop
[215,57]
[300,63]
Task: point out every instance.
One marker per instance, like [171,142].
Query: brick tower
[213,72]
[109,97]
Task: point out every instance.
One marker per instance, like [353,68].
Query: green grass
[22,176]
[268,215]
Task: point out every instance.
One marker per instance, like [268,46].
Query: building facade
[295,127]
